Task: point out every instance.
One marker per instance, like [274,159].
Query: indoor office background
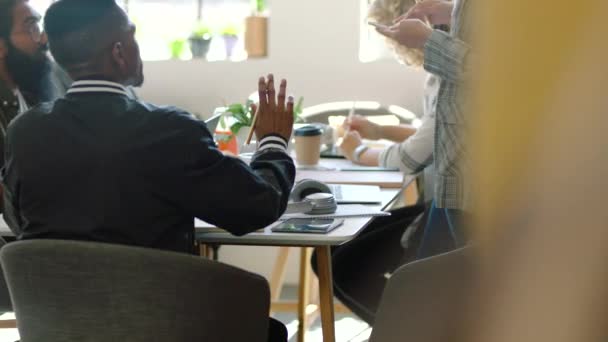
[323,48]
[539,155]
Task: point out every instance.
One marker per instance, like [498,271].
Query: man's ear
[3,48]
[118,56]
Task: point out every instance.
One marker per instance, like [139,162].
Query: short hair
[6,18]
[78,29]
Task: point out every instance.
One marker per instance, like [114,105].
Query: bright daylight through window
[371,44]
[187,29]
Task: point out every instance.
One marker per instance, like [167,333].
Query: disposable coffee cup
[308,145]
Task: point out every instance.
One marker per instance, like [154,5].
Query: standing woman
[448,56]
[361,267]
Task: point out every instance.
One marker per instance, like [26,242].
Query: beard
[137,80]
[32,74]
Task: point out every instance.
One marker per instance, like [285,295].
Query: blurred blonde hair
[384,12]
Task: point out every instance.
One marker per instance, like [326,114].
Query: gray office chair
[5,299]
[424,300]
[320,113]
[84,291]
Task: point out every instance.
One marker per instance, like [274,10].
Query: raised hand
[274,112]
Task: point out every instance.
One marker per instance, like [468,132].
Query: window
[165,26]
[371,45]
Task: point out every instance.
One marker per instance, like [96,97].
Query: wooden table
[329,171]
[320,242]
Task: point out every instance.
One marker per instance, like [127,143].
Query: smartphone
[377,25]
[313,226]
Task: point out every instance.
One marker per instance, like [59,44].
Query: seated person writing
[98,165]
[412,150]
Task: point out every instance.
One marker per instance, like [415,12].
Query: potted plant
[177,48]
[240,118]
[259,6]
[256,30]
[230,35]
[237,119]
[200,40]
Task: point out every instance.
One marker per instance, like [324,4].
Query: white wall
[314,44]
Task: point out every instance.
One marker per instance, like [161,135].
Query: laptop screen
[212,122]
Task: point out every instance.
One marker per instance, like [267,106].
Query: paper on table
[350,210]
[203,226]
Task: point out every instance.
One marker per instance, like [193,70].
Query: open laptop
[212,122]
[356,194]
[332,152]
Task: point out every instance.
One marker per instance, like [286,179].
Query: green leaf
[236,127]
[239,113]
[241,118]
[297,110]
[223,120]
[236,108]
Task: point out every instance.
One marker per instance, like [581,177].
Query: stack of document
[345,211]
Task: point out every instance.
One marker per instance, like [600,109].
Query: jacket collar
[97,86]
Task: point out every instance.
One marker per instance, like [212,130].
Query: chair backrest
[84,291]
[5,299]
[321,113]
[424,299]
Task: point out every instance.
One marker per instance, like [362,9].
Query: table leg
[278,274]
[326,292]
[203,250]
[303,291]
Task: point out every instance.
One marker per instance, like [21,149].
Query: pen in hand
[253,122]
[347,123]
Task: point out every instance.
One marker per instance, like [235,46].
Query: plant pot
[229,43]
[256,36]
[226,142]
[241,137]
[199,47]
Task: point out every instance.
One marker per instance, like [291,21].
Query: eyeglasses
[34,30]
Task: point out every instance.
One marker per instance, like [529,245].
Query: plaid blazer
[446,56]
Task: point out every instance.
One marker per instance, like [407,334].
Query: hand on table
[366,128]
[350,142]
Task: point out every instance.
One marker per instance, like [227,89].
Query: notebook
[353,194]
[332,152]
[345,211]
[202,226]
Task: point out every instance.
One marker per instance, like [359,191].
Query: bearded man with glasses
[27,74]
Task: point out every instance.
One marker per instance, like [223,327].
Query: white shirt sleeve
[413,154]
[416,152]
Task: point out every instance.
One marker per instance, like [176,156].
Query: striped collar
[97,86]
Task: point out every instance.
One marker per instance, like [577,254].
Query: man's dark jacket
[101,166]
